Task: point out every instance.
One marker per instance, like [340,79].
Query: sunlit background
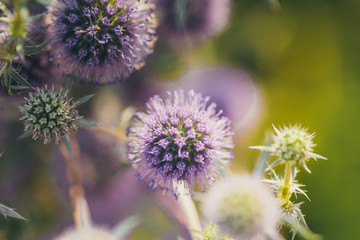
[297,64]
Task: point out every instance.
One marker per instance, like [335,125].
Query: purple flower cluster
[192,21]
[102,41]
[180,140]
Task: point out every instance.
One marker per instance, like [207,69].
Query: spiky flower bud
[211,232]
[292,144]
[180,140]
[243,207]
[49,114]
[102,41]
[87,233]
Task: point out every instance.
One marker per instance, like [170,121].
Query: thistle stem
[117,133]
[191,214]
[285,192]
[189,209]
[73,168]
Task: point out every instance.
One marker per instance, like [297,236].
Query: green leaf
[34,17]
[84,99]
[293,171]
[19,79]
[6,211]
[5,55]
[69,83]
[19,46]
[273,175]
[87,123]
[31,50]
[19,89]
[25,135]
[274,163]
[68,146]
[264,157]
[6,80]
[306,233]
[3,65]
[5,10]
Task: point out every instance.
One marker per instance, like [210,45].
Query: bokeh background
[297,64]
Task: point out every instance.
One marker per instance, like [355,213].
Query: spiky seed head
[292,144]
[180,140]
[49,114]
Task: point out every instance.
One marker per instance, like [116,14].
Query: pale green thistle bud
[243,207]
[293,145]
[49,114]
[211,232]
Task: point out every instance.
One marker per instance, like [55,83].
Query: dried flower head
[243,207]
[49,114]
[192,21]
[87,233]
[180,140]
[102,41]
[292,144]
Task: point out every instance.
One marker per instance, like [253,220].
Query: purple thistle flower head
[182,153]
[127,27]
[185,22]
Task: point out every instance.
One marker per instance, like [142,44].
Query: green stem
[189,209]
[285,192]
[191,214]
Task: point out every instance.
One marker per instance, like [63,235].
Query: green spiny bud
[49,114]
[292,144]
[211,232]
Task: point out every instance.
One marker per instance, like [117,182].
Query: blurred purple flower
[233,90]
[102,41]
[180,140]
[191,21]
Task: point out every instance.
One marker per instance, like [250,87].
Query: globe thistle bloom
[192,21]
[243,207]
[102,41]
[180,140]
[49,114]
[292,144]
[87,233]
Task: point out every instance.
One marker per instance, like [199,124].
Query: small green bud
[211,232]
[292,144]
[49,114]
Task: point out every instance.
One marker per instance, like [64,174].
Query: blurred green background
[305,59]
